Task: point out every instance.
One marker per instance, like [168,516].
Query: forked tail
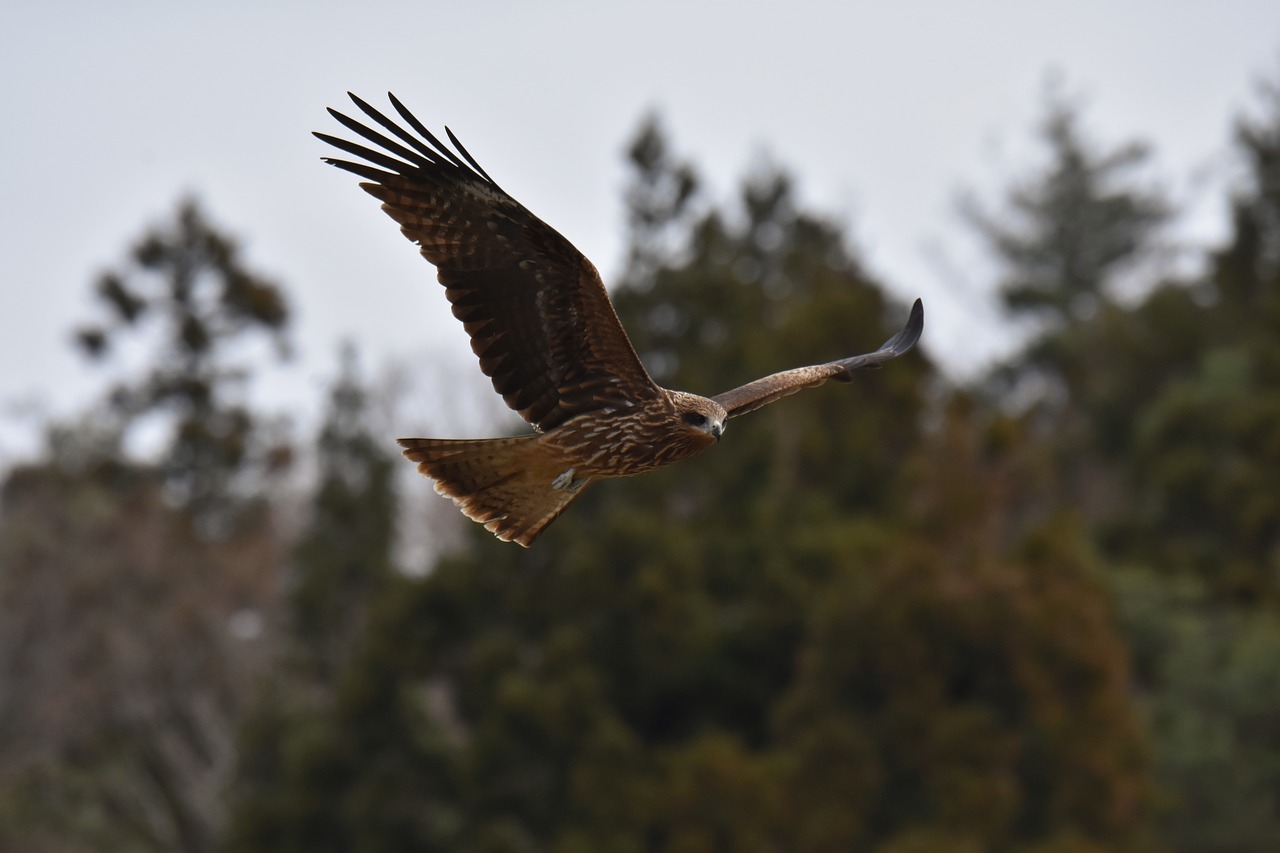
[503,483]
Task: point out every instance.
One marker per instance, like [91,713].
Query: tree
[1072,230]
[344,556]
[187,281]
[965,687]
[338,753]
[133,647]
[136,594]
[1176,395]
[659,203]
[1202,469]
[1065,236]
[1166,424]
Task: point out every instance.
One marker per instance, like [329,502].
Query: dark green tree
[1173,403]
[1204,518]
[1063,239]
[1068,233]
[137,593]
[340,754]
[1164,440]
[345,554]
[659,203]
[964,687]
[1205,454]
[186,288]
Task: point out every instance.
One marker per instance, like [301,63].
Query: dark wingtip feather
[426,154]
[910,333]
[467,154]
[899,344]
[391,164]
[365,171]
[905,339]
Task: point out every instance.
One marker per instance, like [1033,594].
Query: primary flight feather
[548,337]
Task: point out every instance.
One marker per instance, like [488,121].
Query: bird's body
[618,441]
[546,333]
[517,486]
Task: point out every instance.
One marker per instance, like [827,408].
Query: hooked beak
[717,429]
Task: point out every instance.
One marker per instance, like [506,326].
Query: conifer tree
[345,554]
[1069,232]
[141,590]
[339,753]
[186,291]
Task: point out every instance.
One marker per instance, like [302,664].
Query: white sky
[883,111]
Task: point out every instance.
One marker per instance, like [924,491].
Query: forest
[1037,610]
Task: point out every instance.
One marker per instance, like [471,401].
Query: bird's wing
[762,392]
[538,315]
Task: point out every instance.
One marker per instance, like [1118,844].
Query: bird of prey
[548,337]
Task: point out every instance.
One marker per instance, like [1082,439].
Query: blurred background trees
[136,592]
[1033,612]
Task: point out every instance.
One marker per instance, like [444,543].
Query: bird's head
[700,416]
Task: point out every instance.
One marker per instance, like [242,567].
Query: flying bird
[548,337]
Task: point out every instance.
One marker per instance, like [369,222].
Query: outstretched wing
[537,313]
[762,392]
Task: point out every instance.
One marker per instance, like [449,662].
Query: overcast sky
[882,110]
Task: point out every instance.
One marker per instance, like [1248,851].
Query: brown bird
[547,335]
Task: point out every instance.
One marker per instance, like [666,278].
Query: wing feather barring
[546,334]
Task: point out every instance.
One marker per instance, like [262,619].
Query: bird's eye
[695,419]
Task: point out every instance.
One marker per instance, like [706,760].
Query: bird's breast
[625,442]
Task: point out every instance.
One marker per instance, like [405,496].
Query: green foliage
[1165,432]
[362,768]
[1211,700]
[135,594]
[1069,232]
[132,648]
[186,286]
[659,204]
[344,555]
[338,755]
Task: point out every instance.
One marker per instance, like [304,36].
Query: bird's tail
[503,483]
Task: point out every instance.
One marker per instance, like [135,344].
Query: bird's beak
[717,429]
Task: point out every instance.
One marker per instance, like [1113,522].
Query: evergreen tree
[1168,425]
[659,202]
[344,556]
[1172,404]
[1067,234]
[964,687]
[1205,458]
[339,755]
[137,592]
[1204,476]
[1063,239]
[187,282]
